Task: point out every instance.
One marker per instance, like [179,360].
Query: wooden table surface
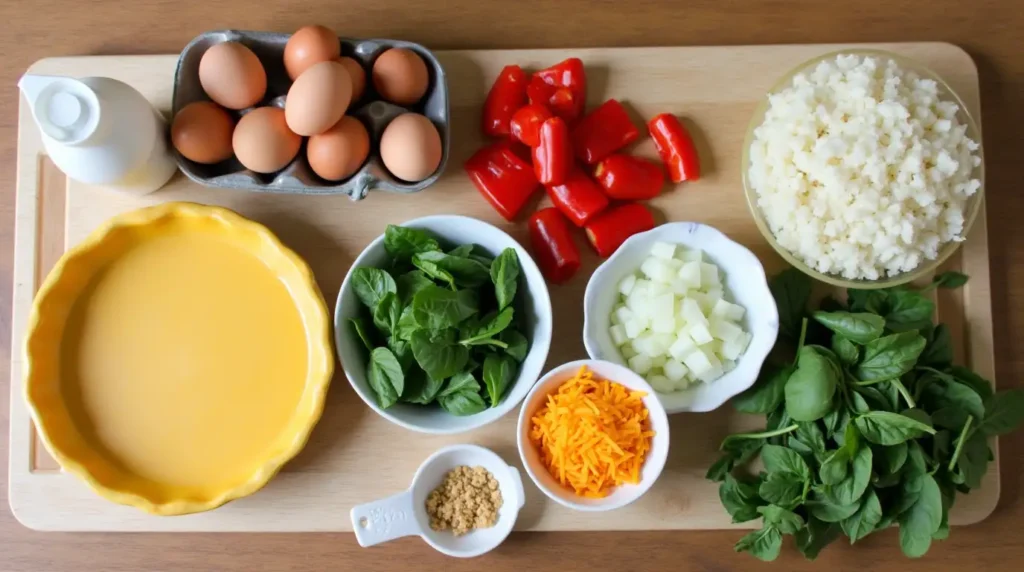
[988,29]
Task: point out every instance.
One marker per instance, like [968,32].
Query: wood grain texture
[988,29]
[307,496]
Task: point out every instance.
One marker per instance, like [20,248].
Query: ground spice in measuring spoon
[468,498]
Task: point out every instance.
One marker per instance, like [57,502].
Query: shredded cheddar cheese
[592,434]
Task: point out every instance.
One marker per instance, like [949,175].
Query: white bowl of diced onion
[688,309]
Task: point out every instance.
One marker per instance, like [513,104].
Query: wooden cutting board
[355,456]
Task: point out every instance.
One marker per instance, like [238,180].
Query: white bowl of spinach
[443,324]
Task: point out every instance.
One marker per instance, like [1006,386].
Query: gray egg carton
[298,177]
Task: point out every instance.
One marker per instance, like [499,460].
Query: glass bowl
[972,207]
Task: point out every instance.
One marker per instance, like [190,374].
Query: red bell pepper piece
[552,244]
[569,94]
[527,121]
[503,178]
[629,178]
[610,229]
[602,132]
[552,157]
[675,146]
[578,197]
[507,95]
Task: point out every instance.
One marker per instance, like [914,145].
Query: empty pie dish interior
[177,358]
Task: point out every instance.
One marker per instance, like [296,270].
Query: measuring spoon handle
[385,519]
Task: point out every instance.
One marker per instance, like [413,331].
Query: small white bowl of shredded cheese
[863,169]
[686,308]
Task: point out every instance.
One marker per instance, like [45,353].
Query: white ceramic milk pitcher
[101,131]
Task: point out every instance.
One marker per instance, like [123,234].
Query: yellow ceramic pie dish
[177,358]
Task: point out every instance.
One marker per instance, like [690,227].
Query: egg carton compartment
[298,177]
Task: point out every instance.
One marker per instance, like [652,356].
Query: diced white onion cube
[618,334]
[634,327]
[622,315]
[658,361]
[682,347]
[689,273]
[725,331]
[692,313]
[691,255]
[640,363]
[735,312]
[663,250]
[627,351]
[678,287]
[697,362]
[712,374]
[663,324]
[661,384]
[627,284]
[708,275]
[733,349]
[728,365]
[675,370]
[700,334]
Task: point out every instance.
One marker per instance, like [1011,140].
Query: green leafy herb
[922,518]
[739,498]
[835,467]
[791,290]
[863,522]
[516,344]
[410,283]
[764,544]
[421,388]
[858,327]
[785,521]
[385,377]
[908,310]
[810,389]
[950,280]
[387,313]
[499,372]
[767,392]
[505,275]
[360,328]
[438,354]
[485,331]
[783,489]
[827,510]
[890,357]
[464,272]
[845,350]
[462,404]
[851,488]
[371,284]
[436,308]
[886,428]
[811,539]
[939,351]
[1003,413]
[402,242]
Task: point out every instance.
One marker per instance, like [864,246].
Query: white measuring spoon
[405,514]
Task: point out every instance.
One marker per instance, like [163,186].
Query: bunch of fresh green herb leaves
[442,323]
[869,425]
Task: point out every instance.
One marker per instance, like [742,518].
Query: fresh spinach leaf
[890,357]
[505,276]
[835,468]
[826,510]
[949,280]
[462,382]
[739,499]
[974,459]
[782,460]
[886,428]
[845,350]
[432,269]
[403,242]
[384,374]
[852,488]
[410,283]
[810,434]
[387,313]
[438,354]
[908,310]
[1004,412]
[874,301]
[791,290]
[812,538]
[499,373]
[922,518]
[435,308]
[484,331]
[809,390]
[889,460]
[764,544]
[785,520]
[783,489]
[939,350]
[462,403]
[407,325]
[980,385]
[403,353]
[421,388]
[767,392]
[361,331]
[947,393]
[371,284]
[860,327]
[863,522]
[516,344]
[465,272]
[737,452]
[462,251]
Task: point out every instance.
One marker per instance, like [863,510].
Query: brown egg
[201,132]
[318,98]
[263,142]
[411,147]
[358,75]
[339,152]
[310,45]
[400,76]
[232,75]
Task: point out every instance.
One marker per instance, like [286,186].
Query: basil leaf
[499,373]
[973,460]
[834,421]
[812,538]
[764,544]
[421,388]
[385,377]
[889,460]
[791,290]
[462,251]
[852,488]
[402,242]
[827,511]
[786,521]
[939,351]
[435,308]
[890,357]
[952,402]
[460,382]
[403,353]
[387,313]
[410,283]
[484,331]
[845,350]
[783,489]
[980,385]
[767,392]
[739,499]
[950,280]
[874,301]
[886,428]
[810,389]
[439,355]
[431,268]
[1004,412]
[407,325]
[464,271]
[371,284]
[908,310]
[505,276]
[811,435]
[863,522]
[516,343]
[835,468]
[359,326]
[737,453]
[859,327]
[922,518]
[778,459]
[462,403]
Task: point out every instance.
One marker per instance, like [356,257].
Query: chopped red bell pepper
[629,178]
[507,95]
[578,197]
[602,132]
[553,247]
[527,121]
[552,157]
[675,146]
[610,229]
[569,94]
[503,178]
